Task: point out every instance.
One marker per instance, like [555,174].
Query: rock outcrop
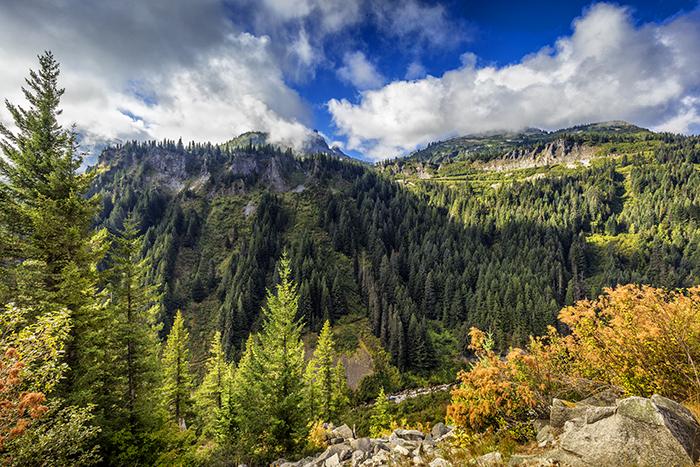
[599,431]
[631,431]
[402,447]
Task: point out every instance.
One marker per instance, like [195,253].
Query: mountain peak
[314,143]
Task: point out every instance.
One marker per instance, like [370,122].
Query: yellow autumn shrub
[495,392]
[640,339]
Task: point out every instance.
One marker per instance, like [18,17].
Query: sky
[379,78]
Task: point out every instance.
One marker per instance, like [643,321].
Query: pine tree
[136,304]
[246,420]
[380,420]
[177,377]
[45,217]
[321,377]
[282,362]
[212,395]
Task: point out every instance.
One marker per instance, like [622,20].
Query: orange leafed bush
[642,339]
[495,391]
[17,408]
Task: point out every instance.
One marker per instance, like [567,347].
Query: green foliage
[212,396]
[326,383]
[65,436]
[44,215]
[266,415]
[380,420]
[177,385]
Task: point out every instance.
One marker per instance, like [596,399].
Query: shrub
[495,392]
[642,339]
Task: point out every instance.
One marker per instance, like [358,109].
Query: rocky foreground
[598,431]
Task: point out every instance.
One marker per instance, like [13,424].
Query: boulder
[681,423]
[343,431]
[342,450]
[439,462]
[636,431]
[439,430]
[492,459]
[407,435]
[358,457]
[545,436]
[562,411]
[333,461]
[401,450]
[362,444]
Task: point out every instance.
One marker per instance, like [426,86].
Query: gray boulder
[439,430]
[562,411]
[343,431]
[439,462]
[636,431]
[361,444]
[407,435]
[492,459]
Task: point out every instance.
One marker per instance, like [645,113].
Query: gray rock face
[438,430]
[636,431]
[492,459]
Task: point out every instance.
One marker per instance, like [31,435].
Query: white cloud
[203,79]
[418,24]
[608,68]
[360,72]
[415,70]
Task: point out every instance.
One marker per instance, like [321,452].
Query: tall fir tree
[245,421]
[177,387]
[135,304]
[211,397]
[48,248]
[45,217]
[326,383]
[282,362]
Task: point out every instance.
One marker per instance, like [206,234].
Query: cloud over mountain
[608,68]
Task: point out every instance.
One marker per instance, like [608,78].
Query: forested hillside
[419,257]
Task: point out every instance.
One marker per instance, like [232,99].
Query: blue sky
[498,32]
[378,77]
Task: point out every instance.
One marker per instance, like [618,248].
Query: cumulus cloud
[156,69]
[360,72]
[415,70]
[608,68]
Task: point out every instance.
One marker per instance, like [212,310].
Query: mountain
[530,143]
[405,257]
[314,143]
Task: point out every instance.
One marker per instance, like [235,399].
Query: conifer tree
[282,361]
[45,217]
[380,420]
[245,420]
[321,377]
[48,248]
[136,366]
[212,395]
[176,366]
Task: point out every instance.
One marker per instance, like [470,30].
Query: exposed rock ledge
[598,431]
